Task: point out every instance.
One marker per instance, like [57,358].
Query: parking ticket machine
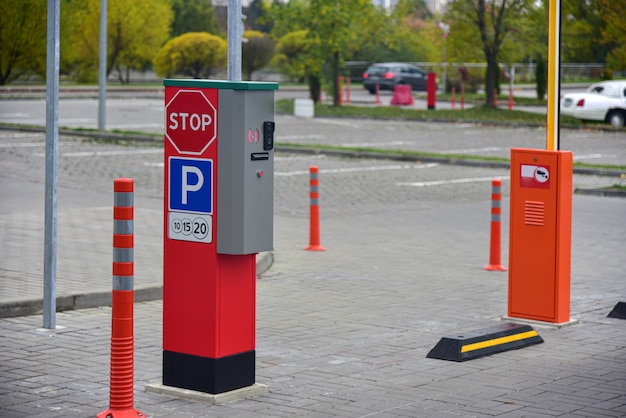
[218,214]
[540,235]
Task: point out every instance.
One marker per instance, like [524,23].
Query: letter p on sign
[190,185]
[186,185]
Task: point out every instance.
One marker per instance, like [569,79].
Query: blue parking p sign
[191,185]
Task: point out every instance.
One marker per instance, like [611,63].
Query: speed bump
[484,342]
[619,311]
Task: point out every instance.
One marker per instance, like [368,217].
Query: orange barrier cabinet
[540,235]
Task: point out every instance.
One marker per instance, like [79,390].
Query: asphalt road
[147,115]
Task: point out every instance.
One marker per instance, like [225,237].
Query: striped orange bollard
[496,211]
[314,223]
[121,391]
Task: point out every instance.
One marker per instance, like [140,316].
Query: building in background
[437,6]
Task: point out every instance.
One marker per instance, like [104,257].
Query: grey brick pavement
[343,332]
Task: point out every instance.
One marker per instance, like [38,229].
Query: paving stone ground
[344,332]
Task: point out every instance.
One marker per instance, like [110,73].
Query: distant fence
[522,72]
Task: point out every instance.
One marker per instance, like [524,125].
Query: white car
[605,101]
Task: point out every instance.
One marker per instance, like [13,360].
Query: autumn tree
[133,36]
[255,16]
[337,29]
[256,52]
[194,16]
[494,21]
[614,33]
[23,38]
[194,54]
[290,56]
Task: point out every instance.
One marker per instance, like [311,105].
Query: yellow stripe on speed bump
[498,341]
[484,342]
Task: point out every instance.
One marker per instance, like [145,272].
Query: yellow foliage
[193,54]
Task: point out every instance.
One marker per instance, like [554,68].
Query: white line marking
[288,137]
[308,157]
[472,150]
[591,156]
[375,144]
[357,169]
[105,153]
[453,181]
[27,144]
[148,164]
[338,122]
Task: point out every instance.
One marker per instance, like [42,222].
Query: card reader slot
[258,156]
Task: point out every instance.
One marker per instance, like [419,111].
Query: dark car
[389,75]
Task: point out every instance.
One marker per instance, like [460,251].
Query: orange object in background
[402,95]
[540,235]
[431,90]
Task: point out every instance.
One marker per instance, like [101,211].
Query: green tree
[493,20]
[194,16]
[23,38]
[614,33]
[193,54]
[133,36]
[256,52]
[541,78]
[256,16]
[334,29]
[291,50]
[581,27]
[287,17]
[413,10]
[400,36]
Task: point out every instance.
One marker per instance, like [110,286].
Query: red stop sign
[190,123]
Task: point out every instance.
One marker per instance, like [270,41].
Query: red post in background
[121,392]
[453,98]
[431,88]
[314,223]
[495,97]
[496,214]
[510,98]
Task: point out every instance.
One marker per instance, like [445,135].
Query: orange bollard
[462,96]
[377,94]
[314,224]
[453,98]
[496,210]
[121,390]
[510,98]
[495,97]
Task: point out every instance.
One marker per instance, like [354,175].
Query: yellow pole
[554,76]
